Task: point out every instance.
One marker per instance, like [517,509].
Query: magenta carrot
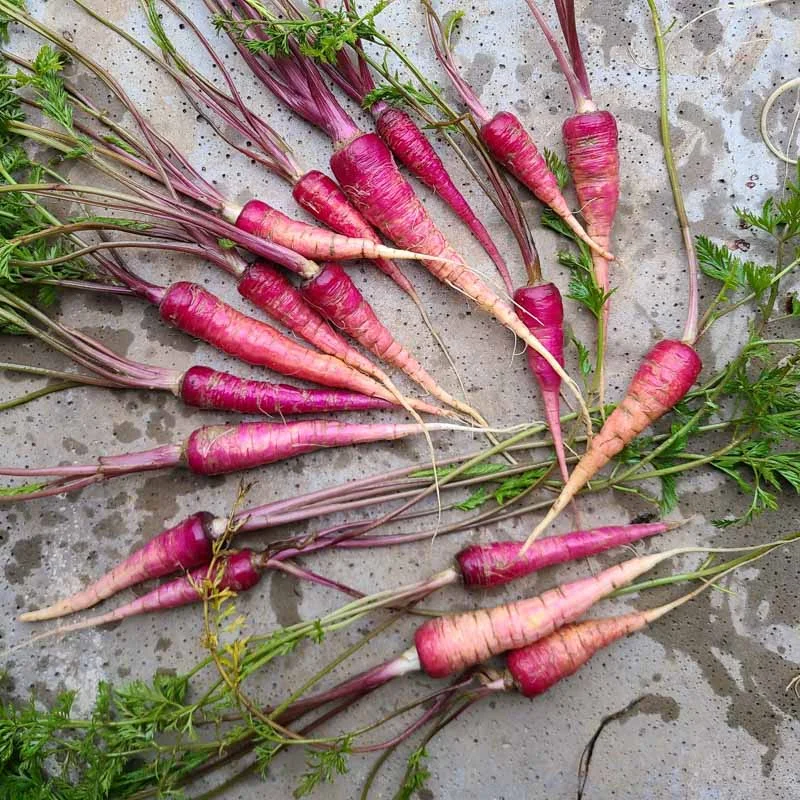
[187,545]
[340,301]
[220,449]
[366,171]
[237,572]
[508,141]
[591,141]
[668,372]
[501,562]
[446,645]
[541,309]
[539,666]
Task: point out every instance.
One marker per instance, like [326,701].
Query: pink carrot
[499,563]
[446,645]
[260,219]
[508,141]
[237,572]
[410,145]
[340,301]
[199,313]
[537,667]
[668,372]
[186,545]
[207,388]
[541,309]
[325,201]
[366,171]
[591,141]
[219,449]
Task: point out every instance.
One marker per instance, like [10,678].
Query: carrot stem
[691,327]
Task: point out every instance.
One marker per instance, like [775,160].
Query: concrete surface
[716,721]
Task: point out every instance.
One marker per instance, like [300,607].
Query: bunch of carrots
[327,351]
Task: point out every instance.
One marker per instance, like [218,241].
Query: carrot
[498,563]
[508,141]
[667,373]
[340,301]
[260,219]
[325,201]
[207,388]
[591,141]
[542,311]
[449,644]
[367,173]
[186,545]
[220,449]
[199,313]
[238,572]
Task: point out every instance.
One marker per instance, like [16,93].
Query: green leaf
[417,775]
[323,766]
[517,484]
[584,357]
[669,494]
[557,167]
[475,500]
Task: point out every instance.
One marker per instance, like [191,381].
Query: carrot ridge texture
[325,201]
[667,373]
[446,645]
[499,563]
[203,387]
[410,145]
[340,300]
[539,666]
[184,546]
[542,310]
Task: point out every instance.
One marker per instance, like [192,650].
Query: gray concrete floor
[716,721]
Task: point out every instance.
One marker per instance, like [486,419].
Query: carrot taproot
[591,141]
[340,301]
[667,373]
[448,644]
[541,309]
[220,449]
[507,139]
[497,563]
[203,387]
[539,666]
[262,220]
[184,546]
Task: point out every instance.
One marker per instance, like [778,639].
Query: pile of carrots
[332,341]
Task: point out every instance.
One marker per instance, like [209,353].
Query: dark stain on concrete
[163,644]
[480,71]
[160,427]
[74,446]
[656,704]
[284,597]
[27,556]
[126,432]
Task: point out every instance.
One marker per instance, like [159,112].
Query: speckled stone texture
[716,721]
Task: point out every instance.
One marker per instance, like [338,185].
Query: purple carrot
[541,309]
[507,139]
[220,449]
[499,563]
